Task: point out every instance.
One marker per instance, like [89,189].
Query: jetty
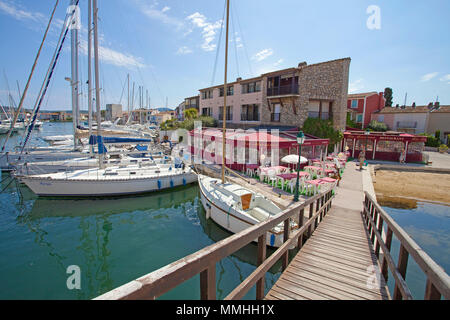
[343,245]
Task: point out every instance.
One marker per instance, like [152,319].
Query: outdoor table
[328,179]
[251,169]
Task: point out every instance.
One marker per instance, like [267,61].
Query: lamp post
[367,133]
[300,141]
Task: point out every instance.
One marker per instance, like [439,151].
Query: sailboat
[112,181]
[231,205]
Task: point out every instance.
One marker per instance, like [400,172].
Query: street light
[366,133]
[300,141]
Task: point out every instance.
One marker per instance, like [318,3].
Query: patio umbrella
[293,158]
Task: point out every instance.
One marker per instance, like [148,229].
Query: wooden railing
[438,281]
[203,262]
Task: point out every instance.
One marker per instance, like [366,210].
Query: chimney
[302,64]
[413,105]
[238,79]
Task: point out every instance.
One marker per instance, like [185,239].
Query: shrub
[431,140]
[323,129]
[378,126]
[188,124]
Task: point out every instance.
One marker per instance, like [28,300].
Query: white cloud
[429,76]
[208,29]
[184,50]
[280,61]
[263,54]
[446,78]
[355,86]
[14,11]
[152,12]
[114,57]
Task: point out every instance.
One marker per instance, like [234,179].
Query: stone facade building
[283,98]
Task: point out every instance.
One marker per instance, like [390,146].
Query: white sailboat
[231,205]
[113,181]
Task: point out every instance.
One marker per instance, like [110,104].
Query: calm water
[113,241]
[429,225]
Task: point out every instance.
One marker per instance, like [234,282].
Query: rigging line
[243,40]
[218,45]
[30,128]
[235,44]
[30,76]
[48,72]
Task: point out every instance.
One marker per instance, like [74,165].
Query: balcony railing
[275,117]
[282,90]
[315,114]
[249,117]
[409,125]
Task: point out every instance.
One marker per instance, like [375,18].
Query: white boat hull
[105,187]
[230,220]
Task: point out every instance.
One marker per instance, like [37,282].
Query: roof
[292,69]
[361,95]
[417,109]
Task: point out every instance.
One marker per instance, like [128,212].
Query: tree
[323,129]
[190,113]
[388,97]
[378,126]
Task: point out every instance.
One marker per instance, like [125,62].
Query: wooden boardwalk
[337,262]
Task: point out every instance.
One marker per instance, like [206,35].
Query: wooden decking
[335,263]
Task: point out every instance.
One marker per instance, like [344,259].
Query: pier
[343,241]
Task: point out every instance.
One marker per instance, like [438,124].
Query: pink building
[361,106]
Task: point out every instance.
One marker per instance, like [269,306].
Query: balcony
[275,117]
[283,90]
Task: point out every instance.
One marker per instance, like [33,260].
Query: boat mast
[91,147]
[128,80]
[225,96]
[74,64]
[97,86]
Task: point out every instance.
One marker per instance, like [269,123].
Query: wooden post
[380,230]
[431,293]
[261,257]
[300,224]
[311,212]
[285,256]
[208,283]
[317,209]
[388,242]
[402,264]
[375,219]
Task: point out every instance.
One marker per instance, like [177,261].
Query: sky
[170,47]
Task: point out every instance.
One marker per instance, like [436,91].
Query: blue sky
[169,46]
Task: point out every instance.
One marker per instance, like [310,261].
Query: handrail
[203,262]
[438,281]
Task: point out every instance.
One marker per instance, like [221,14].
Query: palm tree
[191,113]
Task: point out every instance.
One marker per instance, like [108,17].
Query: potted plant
[443,148]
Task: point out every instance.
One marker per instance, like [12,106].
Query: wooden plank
[261,257]
[208,283]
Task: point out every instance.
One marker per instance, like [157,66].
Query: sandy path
[418,185]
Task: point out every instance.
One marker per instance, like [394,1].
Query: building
[415,120]
[142,115]
[192,102]
[113,111]
[161,117]
[180,111]
[284,97]
[361,106]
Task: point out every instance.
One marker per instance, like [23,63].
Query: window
[230,91]
[380,118]
[250,112]
[276,115]
[206,112]
[359,118]
[354,104]
[251,87]
[229,113]
[207,94]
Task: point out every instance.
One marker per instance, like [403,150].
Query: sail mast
[97,86]
[225,96]
[91,148]
[74,63]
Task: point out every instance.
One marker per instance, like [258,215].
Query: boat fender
[159,184]
[272,239]
[184,181]
[171,183]
[208,211]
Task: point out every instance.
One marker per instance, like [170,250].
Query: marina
[280,185]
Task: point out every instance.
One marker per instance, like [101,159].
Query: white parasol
[293,158]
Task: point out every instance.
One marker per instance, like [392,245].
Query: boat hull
[102,188]
[232,221]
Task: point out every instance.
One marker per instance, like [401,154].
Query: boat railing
[438,281]
[203,262]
